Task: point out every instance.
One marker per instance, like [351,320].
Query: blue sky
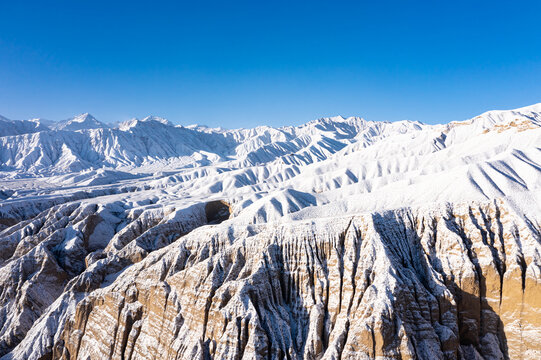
[247,63]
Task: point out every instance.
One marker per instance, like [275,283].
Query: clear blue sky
[245,63]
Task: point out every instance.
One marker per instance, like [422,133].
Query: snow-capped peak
[126,125]
[83,118]
[158,119]
[154,139]
[80,122]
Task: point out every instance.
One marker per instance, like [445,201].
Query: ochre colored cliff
[449,282]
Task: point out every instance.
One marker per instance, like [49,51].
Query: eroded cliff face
[70,250]
[448,282]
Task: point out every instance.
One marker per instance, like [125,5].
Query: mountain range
[342,238]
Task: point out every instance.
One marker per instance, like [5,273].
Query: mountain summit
[342,238]
[80,122]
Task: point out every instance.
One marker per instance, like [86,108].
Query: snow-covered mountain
[343,238]
[85,143]
[11,127]
[80,122]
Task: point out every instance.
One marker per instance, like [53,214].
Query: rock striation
[338,239]
[449,282]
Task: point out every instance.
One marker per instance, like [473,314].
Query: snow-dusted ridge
[80,122]
[342,162]
[347,238]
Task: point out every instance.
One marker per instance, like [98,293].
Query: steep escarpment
[450,282]
[42,258]
[338,239]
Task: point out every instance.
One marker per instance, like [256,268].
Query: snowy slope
[80,122]
[373,239]
[344,165]
[84,143]
[14,127]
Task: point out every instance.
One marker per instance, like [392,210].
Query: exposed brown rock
[456,282]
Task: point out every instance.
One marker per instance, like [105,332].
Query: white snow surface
[327,167]
[156,172]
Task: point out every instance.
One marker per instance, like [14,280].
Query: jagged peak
[83,121]
[157,119]
[336,119]
[148,120]
[83,118]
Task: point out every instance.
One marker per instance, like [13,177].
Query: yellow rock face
[446,283]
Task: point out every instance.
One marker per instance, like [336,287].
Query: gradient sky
[247,63]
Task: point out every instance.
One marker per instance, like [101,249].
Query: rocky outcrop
[143,259]
[52,254]
[450,282]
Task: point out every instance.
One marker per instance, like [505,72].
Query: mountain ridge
[339,238]
[105,145]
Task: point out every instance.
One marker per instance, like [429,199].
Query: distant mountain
[142,142]
[136,142]
[19,127]
[80,122]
